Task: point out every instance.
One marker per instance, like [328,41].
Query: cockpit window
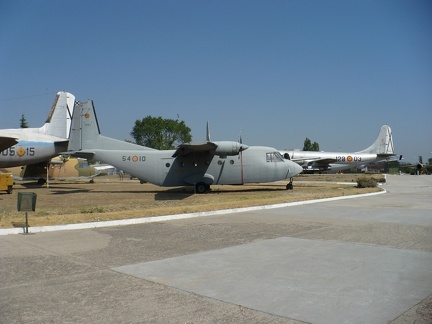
[274,157]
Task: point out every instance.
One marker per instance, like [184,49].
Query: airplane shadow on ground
[55,190]
[174,193]
[35,185]
[72,191]
[182,193]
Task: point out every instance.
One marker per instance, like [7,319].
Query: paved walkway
[364,260]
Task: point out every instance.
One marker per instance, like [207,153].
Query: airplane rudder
[58,121]
[70,104]
[86,125]
[384,142]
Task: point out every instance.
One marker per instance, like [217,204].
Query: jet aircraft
[318,162]
[24,146]
[191,164]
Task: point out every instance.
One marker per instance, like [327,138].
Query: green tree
[23,122]
[159,133]
[309,146]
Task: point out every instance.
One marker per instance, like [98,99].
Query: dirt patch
[108,198]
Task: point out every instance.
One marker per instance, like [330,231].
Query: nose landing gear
[289,185]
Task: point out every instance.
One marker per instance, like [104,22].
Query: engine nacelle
[229,148]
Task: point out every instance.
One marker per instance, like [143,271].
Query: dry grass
[110,199]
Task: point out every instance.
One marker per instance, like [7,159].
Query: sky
[275,71]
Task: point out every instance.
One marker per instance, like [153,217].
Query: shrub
[366,183]
[380,180]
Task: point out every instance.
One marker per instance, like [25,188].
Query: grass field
[108,198]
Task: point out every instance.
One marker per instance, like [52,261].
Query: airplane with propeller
[319,162]
[200,164]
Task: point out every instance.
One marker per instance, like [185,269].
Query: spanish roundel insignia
[87,115]
[21,151]
[134,158]
[349,158]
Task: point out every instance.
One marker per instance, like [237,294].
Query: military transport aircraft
[199,165]
[24,146]
[317,162]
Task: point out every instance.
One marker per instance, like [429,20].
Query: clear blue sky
[278,71]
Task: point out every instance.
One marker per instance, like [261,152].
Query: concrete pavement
[364,260]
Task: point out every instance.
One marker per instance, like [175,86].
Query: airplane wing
[308,159]
[187,148]
[324,161]
[220,148]
[6,142]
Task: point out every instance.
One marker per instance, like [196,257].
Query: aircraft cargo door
[167,172]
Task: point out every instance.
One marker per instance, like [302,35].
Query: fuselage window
[278,157]
[274,157]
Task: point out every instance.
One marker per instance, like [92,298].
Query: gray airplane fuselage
[256,164]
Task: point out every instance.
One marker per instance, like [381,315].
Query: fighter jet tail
[383,145]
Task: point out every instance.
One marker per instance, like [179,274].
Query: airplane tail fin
[85,132]
[383,145]
[59,118]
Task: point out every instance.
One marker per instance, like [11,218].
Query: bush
[366,183]
[381,180]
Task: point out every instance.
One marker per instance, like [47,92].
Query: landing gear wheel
[201,187]
[41,181]
[289,185]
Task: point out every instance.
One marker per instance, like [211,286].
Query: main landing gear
[201,187]
[289,185]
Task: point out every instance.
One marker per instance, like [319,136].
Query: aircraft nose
[297,168]
[294,169]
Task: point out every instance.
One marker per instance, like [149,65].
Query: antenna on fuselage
[208,133]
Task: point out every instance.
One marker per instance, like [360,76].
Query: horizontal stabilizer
[80,154]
